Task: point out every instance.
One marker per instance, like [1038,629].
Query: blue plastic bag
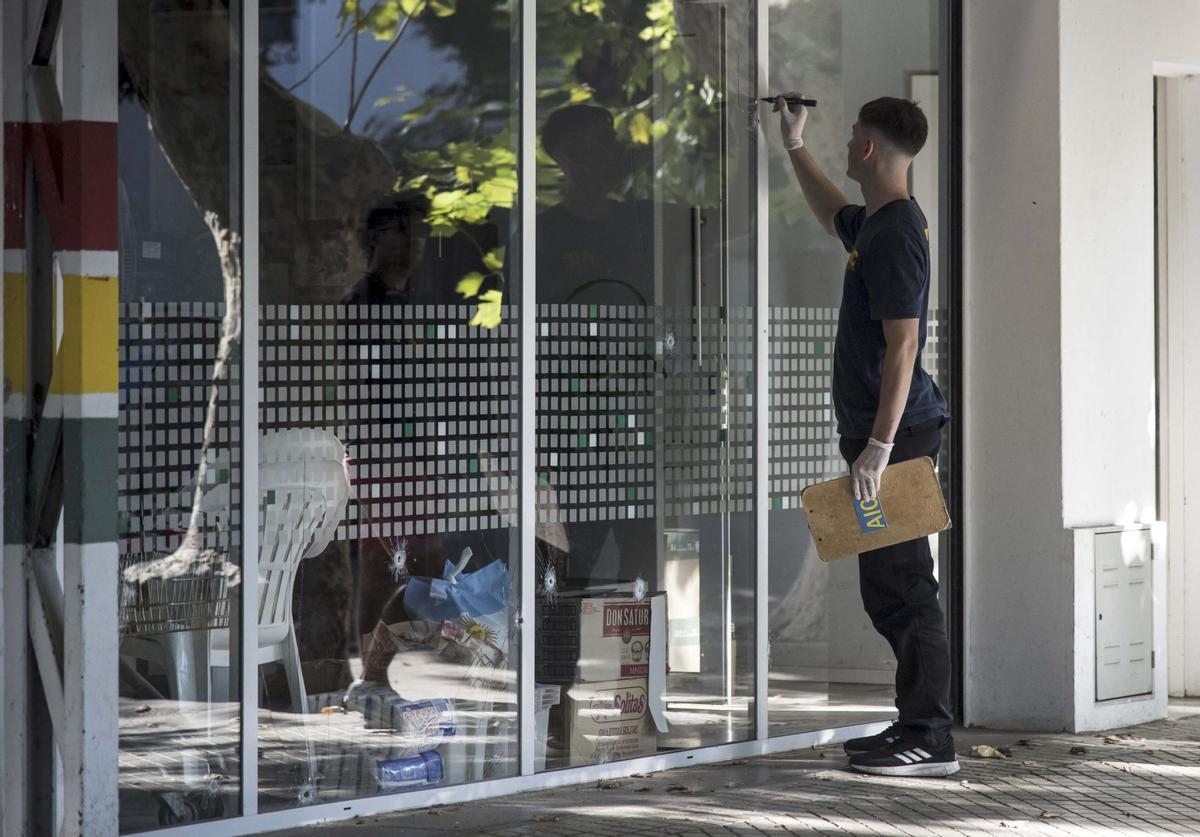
[478,600]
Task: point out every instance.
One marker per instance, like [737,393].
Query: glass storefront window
[388,416]
[389,467]
[645,288]
[180,415]
[828,666]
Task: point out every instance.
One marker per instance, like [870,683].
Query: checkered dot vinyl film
[426,404]
[167,356]
[804,445]
[596,412]
[630,419]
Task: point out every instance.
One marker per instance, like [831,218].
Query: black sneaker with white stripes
[902,758]
[870,743]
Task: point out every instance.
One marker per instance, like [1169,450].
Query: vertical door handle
[697,277]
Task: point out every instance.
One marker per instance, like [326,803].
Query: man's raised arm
[824,199]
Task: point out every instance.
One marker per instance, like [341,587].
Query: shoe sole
[937,769]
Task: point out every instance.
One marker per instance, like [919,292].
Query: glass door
[645,459]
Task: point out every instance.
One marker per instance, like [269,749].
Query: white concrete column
[86,360]
[1018,589]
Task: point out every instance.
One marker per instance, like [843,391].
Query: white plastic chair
[303,491]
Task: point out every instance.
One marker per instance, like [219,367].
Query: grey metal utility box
[1124,614]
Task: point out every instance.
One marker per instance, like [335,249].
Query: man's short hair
[571,120]
[900,121]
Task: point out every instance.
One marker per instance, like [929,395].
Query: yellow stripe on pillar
[87,359]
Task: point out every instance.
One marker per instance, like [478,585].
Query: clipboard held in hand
[910,505]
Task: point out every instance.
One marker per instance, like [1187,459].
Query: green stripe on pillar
[90,466]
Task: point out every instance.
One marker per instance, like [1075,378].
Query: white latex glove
[867,470]
[791,120]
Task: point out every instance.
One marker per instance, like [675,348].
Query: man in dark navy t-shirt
[888,409]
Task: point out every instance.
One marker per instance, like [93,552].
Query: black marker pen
[808,103]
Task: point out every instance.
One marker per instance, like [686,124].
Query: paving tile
[1113,790]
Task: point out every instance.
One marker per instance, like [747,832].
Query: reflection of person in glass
[394,237]
[888,409]
[593,249]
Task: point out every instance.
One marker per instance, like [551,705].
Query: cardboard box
[610,721]
[614,639]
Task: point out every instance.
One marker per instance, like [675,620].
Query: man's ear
[870,149]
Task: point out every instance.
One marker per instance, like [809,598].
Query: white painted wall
[1059,321]
[1179,370]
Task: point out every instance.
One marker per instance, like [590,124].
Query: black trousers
[900,595]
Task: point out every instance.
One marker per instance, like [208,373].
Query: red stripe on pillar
[14,186]
[90,182]
[76,164]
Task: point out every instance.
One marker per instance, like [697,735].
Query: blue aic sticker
[870,515]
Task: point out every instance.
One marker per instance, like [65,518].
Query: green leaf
[446,200]
[384,20]
[462,174]
[639,128]
[494,260]
[468,286]
[443,8]
[671,69]
[487,314]
[442,227]
[499,191]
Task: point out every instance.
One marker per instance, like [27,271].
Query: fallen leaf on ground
[739,762]
[1030,764]
[1078,751]
[607,784]
[639,775]
[1048,815]
[142,709]
[1005,750]
[987,751]
[1123,738]
[545,818]
[642,789]
[679,789]
[1027,742]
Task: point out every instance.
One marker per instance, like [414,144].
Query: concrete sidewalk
[1143,780]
